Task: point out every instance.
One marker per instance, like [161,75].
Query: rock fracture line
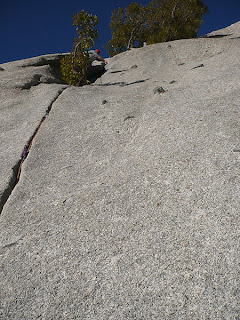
[16,174]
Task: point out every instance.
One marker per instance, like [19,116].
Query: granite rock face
[27,89]
[127,206]
[231,32]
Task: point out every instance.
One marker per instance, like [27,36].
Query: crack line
[16,173]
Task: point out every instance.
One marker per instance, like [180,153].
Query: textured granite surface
[128,202]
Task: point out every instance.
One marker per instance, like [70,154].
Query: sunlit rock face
[126,203]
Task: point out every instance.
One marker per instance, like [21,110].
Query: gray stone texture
[27,89]
[127,209]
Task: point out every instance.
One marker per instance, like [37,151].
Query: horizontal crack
[16,170]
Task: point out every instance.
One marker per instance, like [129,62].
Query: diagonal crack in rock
[16,170]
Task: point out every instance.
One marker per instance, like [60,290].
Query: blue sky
[30,28]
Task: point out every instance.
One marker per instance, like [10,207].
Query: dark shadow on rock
[217,36]
[54,67]
[35,80]
[56,72]
[12,244]
[128,117]
[53,77]
[138,81]
[121,84]
[11,185]
[199,66]
[158,90]
[95,72]
[112,84]
[118,71]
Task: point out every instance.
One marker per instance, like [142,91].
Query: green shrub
[74,66]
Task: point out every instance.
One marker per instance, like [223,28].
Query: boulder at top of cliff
[48,59]
[24,74]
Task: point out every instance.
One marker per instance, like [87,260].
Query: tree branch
[173,11]
[130,40]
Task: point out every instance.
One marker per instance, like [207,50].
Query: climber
[95,55]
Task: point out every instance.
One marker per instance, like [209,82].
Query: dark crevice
[220,35]
[118,71]
[121,84]
[16,170]
[128,117]
[217,36]
[11,186]
[199,66]
[95,72]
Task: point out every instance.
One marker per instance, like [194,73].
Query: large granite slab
[128,203]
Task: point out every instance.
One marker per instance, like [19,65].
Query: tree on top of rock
[169,20]
[159,21]
[128,28]
[74,66]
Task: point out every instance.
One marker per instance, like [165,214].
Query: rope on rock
[28,146]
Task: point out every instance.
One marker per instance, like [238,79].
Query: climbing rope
[28,146]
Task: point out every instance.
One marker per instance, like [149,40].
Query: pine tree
[128,28]
[174,19]
[74,65]
[159,21]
